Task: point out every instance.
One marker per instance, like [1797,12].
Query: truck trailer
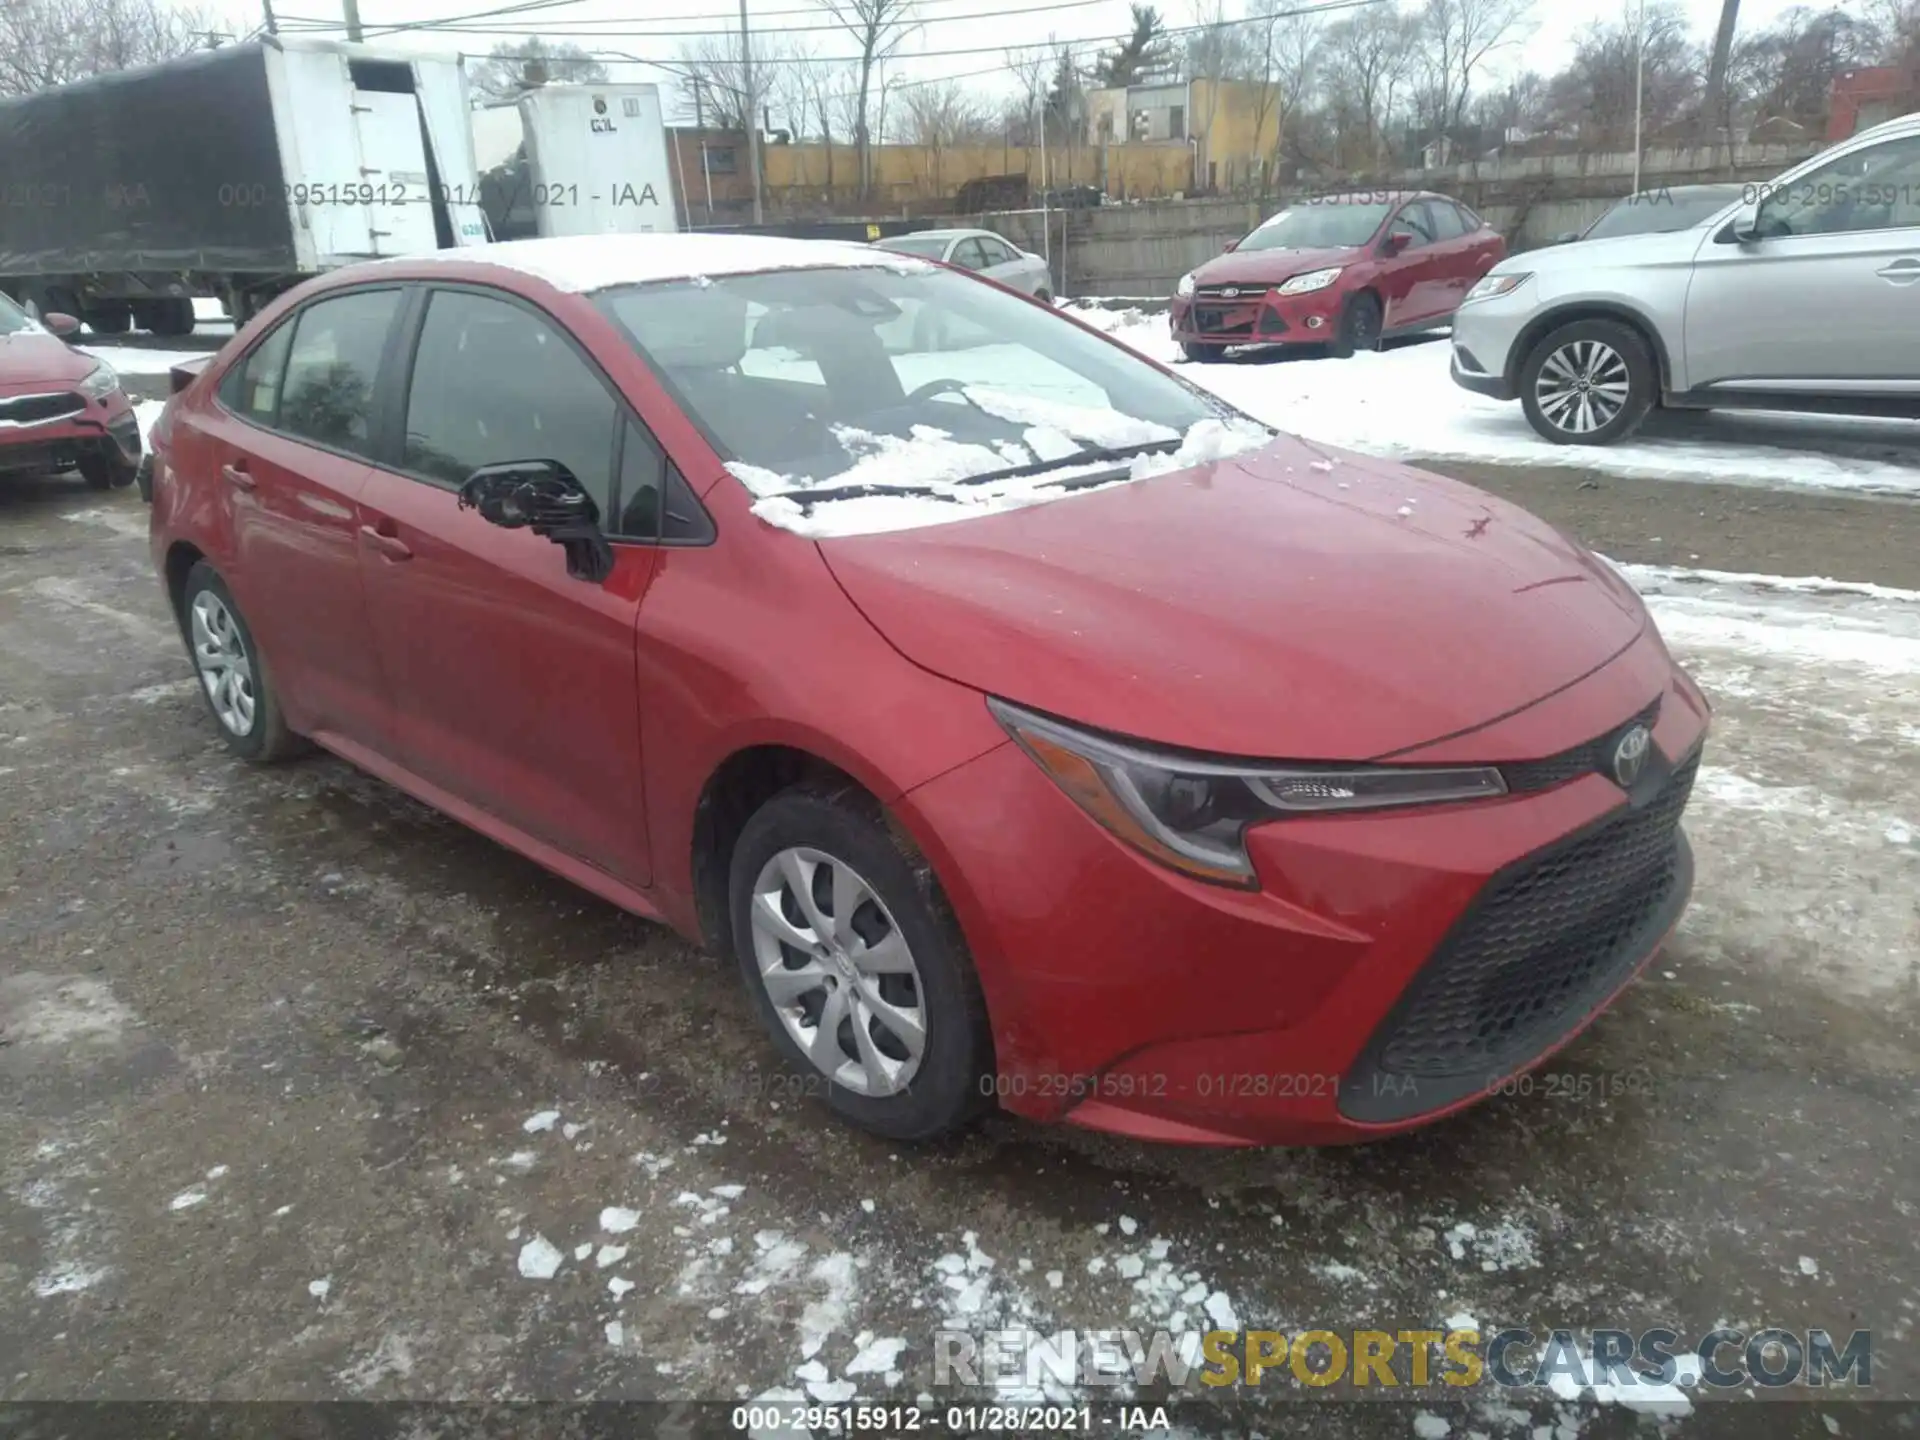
[235,172]
[583,160]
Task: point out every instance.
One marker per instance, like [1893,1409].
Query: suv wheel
[1588,383]
[856,965]
[233,674]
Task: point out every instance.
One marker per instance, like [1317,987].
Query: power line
[460,22]
[461,25]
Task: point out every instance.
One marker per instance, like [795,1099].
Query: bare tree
[877,27]
[1296,48]
[1370,56]
[55,42]
[1457,38]
[1593,97]
[514,67]
[941,115]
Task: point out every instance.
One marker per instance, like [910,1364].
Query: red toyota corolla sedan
[1030,727]
[61,409]
[1345,271]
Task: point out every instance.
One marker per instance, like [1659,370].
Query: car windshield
[844,383]
[1318,227]
[1656,212]
[932,246]
[13,320]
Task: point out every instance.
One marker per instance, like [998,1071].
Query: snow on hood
[931,470]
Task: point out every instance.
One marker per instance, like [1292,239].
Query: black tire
[110,319]
[172,316]
[1202,354]
[1559,424]
[1360,322]
[846,825]
[106,472]
[267,739]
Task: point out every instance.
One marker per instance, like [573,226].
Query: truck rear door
[393,172]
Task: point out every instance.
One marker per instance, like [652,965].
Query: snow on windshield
[849,402]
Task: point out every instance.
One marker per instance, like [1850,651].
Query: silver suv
[1803,295]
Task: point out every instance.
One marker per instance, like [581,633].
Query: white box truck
[235,172]
[597,160]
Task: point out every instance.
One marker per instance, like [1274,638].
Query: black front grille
[1546,941]
[1594,757]
[1242,294]
[1215,322]
[32,409]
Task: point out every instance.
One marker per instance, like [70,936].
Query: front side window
[1877,188]
[915,380]
[998,252]
[13,320]
[1414,221]
[252,388]
[494,382]
[1446,220]
[970,254]
[328,394]
[1310,226]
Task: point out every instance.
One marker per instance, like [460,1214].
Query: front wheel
[1202,354]
[1588,383]
[233,674]
[855,964]
[1360,326]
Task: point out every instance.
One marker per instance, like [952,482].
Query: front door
[1412,282]
[514,684]
[1828,296]
[287,435]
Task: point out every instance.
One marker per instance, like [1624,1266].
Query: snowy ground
[1403,402]
[430,1123]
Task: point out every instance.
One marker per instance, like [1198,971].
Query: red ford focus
[1346,271]
[1030,727]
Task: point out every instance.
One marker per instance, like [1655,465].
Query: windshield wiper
[1092,455]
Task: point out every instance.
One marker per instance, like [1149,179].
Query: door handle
[235,474]
[391,547]
[1901,272]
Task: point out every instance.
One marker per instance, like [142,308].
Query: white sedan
[979,250]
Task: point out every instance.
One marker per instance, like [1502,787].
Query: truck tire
[110,319]
[172,316]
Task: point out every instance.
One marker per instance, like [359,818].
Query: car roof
[948,234]
[1899,125]
[1372,197]
[583,263]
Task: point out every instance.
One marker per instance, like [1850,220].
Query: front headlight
[1192,814]
[1311,281]
[1494,285]
[1185,287]
[101,382]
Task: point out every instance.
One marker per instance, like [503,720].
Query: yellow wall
[1236,132]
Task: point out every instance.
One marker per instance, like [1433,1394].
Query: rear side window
[494,382]
[1446,220]
[1468,219]
[252,388]
[970,254]
[328,396]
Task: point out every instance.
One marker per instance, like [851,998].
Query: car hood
[1270,267]
[30,358]
[1662,247]
[1296,603]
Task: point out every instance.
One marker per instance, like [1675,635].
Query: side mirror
[1566,237]
[59,323]
[1230,245]
[543,495]
[1746,223]
[1397,242]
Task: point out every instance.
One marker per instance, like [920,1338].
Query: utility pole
[750,112]
[1714,107]
[273,25]
[1639,91]
[352,7]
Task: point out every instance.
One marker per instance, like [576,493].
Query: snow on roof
[583,263]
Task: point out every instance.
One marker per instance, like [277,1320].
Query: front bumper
[1487,335]
[1258,318]
[1393,967]
[109,430]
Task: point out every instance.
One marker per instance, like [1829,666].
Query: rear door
[1007,265]
[392,190]
[288,433]
[514,683]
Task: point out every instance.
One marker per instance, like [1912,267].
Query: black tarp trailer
[234,172]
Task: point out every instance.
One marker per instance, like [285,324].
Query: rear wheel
[1360,323]
[171,316]
[856,965]
[1202,354]
[234,678]
[110,319]
[1588,383]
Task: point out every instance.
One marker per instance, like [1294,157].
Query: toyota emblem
[1630,756]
